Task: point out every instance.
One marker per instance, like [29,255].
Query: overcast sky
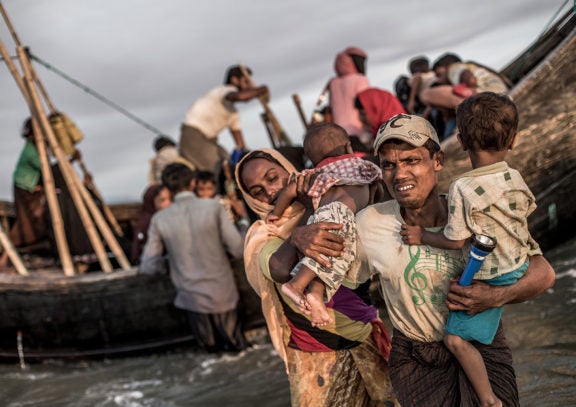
[154,58]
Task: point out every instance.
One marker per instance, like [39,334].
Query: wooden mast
[13,255]
[298,104]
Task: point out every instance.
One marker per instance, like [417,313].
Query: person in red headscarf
[350,79]
[375,106]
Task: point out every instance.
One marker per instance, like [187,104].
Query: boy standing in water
[341,188]
[492,200]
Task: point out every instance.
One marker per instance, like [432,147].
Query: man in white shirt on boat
[213,112]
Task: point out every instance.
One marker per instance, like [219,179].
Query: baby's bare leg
[471,361]
[315,298]
[294,289]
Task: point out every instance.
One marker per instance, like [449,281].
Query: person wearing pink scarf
[350,80]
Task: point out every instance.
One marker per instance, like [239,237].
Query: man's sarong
[206,154]
[427,374]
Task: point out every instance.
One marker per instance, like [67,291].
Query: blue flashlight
[481,247]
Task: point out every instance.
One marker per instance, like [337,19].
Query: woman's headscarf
[380,105]
[256,238]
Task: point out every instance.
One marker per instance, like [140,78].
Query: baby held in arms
[340,187]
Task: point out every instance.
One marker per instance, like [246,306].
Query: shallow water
[542,334]
[178,379]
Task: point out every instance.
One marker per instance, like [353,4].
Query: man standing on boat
[213,112]
[198,236]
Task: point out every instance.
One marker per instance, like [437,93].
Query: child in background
[207,188]
[492,200]
[340,189]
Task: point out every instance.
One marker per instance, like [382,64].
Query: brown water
[542,334]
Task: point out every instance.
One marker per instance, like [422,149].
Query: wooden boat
[50,315]
[47,314]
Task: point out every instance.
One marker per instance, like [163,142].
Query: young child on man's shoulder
[340,187]
[492,200]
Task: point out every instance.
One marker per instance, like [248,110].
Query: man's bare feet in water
[320,315]
[297,297]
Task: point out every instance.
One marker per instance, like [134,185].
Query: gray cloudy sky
[154,58]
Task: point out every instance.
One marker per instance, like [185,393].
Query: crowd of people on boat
[361,207]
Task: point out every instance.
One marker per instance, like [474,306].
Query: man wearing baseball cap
[411,129]
[415,279]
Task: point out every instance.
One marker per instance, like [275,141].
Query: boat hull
[96,314]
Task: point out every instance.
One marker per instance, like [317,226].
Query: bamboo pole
[105,208]
[12,68]
[103,226]
[267,126]
[41,87]
[279,133]
[9,25]
[51,198]
[47,178]
[12,253]
[298,104]
[66,168]
[321,99]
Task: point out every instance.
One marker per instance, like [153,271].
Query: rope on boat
[554,17]
[542,33]
[97,95]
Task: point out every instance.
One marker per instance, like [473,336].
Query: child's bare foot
[320,315]
[297,297]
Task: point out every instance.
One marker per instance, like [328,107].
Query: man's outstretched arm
[480,296]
